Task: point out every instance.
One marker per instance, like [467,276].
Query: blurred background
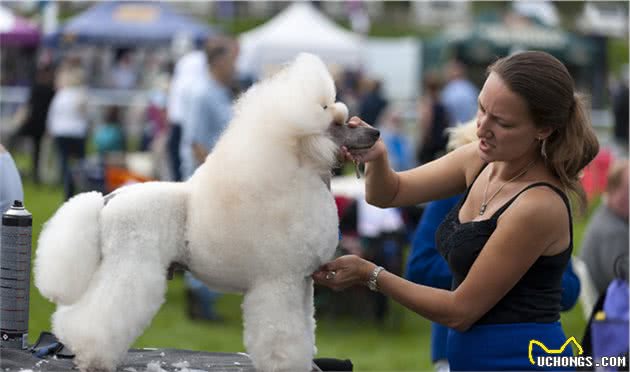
[389,58]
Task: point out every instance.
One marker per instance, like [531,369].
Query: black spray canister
[15,271]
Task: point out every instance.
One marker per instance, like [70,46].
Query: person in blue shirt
[10,181]
[459,95]
[207,113]
[208,109]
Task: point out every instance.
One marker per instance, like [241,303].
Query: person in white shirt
[67,122]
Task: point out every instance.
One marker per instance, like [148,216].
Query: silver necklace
[485,202]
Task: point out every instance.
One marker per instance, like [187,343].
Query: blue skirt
[504,347]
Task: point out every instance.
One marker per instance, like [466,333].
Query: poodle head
[310,100]
[297,100]
[298,104]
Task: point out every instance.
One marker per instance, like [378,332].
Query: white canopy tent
[298,28]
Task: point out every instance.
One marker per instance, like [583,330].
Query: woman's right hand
[343,272]
[367,155]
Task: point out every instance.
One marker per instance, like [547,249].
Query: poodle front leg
[122,298]
[309,311]
[278,327]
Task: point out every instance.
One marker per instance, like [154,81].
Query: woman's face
[504,124]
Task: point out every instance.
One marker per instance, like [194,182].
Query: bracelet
[371,283]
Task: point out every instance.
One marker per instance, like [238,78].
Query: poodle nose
[372,133]
[376,134]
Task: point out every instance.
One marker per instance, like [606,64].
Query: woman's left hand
[344,272]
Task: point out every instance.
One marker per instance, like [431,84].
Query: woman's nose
[482,127]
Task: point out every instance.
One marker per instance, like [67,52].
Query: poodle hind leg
[123,297]
[278,333]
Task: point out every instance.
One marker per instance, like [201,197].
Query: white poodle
[256,218]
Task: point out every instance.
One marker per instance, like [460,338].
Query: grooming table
[137,360]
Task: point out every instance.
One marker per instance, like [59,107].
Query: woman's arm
[438,179]
[523,233]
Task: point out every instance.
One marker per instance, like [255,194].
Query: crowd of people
[490,258]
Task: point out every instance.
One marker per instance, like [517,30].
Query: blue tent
[130,23]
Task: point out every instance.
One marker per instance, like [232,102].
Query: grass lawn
[402,343]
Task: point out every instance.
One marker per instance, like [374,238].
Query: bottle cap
[17,210]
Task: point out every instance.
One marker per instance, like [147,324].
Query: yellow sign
[136,13]
[552,351]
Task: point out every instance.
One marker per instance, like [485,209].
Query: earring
[543,151]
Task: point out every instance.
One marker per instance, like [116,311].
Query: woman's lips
[484,146]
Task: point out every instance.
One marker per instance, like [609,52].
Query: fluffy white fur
[254,218]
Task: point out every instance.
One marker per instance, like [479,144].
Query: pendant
[482,210]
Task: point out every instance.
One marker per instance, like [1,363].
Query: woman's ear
[544,132]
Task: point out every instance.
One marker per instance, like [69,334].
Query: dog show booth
[130,24]
[298,28]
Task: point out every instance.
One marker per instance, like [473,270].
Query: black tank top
[536,296]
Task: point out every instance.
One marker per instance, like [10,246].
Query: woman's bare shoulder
[467,157]
[541,206]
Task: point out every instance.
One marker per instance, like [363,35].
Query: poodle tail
[68,251]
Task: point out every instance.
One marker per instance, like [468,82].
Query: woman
[509,239]
[426,266]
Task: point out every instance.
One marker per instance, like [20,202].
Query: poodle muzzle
[353,138]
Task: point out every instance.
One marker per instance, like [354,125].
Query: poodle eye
[325,107]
